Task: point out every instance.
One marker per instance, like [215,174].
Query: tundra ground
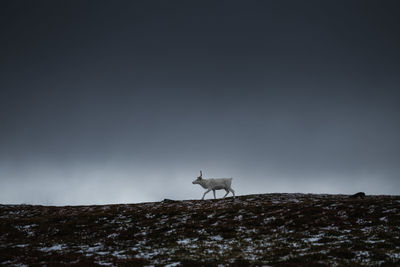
[268,229]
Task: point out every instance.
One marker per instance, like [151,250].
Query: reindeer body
[215,184]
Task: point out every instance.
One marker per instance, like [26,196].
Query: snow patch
[173,264]
[53,248]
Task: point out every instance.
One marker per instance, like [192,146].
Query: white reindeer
[214,184]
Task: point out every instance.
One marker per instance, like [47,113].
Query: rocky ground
[268,229]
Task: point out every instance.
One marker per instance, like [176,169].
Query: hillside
[268,229]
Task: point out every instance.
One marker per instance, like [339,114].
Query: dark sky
[125,101]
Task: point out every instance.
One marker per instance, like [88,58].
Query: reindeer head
[197,181]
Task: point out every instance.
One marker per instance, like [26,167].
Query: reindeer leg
[205,193]
[227,192]
[233,192]
[214,194]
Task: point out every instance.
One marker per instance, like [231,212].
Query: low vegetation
[268,229]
